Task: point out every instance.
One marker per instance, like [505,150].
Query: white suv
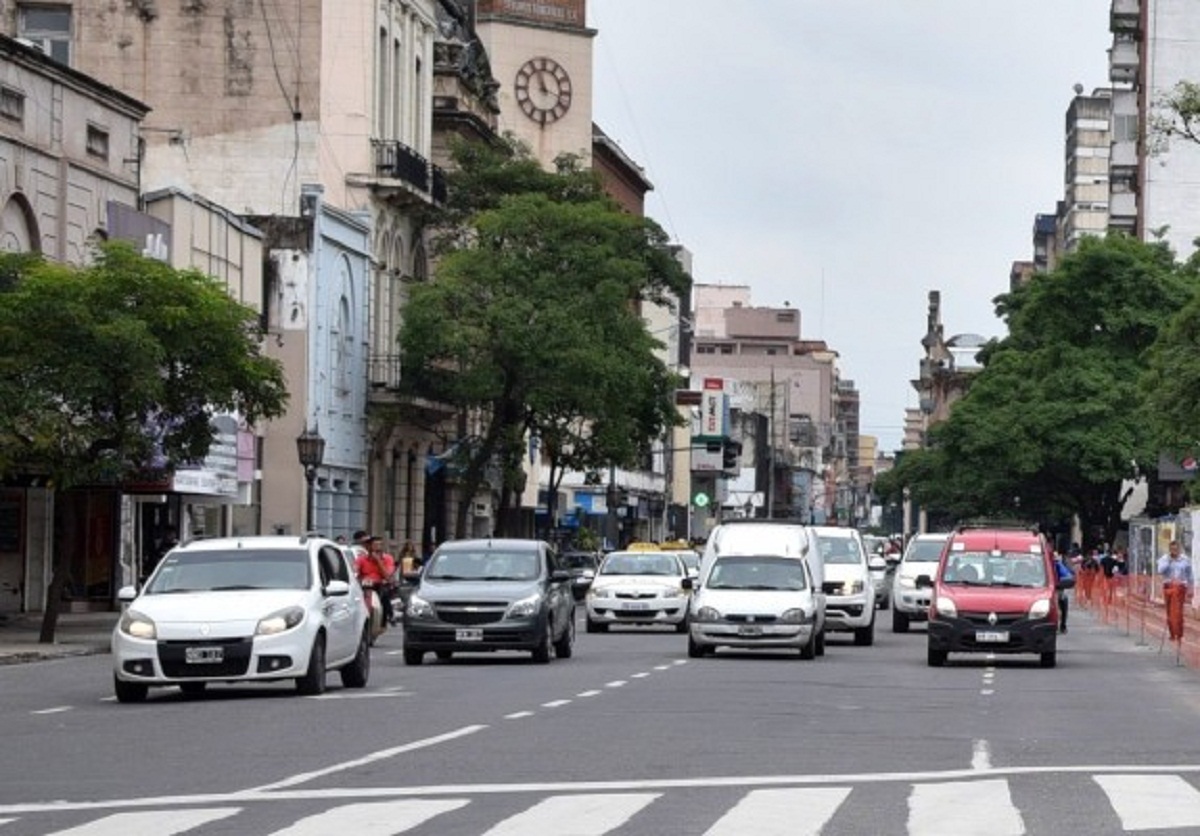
[849,590]
[910,603]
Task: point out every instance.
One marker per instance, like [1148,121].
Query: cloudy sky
[848,157]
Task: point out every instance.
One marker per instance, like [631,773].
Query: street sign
[700,500]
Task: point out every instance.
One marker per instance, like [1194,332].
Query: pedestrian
[409,561]
[1176,571]
[1108,569]
[1065,578]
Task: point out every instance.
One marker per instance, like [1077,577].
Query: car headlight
[945,607]
[600,592]
[418,607]
[525,607]
[280,622]
[907,582]
[857,587]
[1040,608]
[139,626]
[796,616]
[706,614]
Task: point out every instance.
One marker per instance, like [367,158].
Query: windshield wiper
[450,578]
[236,586]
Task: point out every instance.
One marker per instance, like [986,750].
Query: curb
[48,653]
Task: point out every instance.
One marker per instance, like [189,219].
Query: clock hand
[542,82]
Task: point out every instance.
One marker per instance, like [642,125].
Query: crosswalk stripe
[963,808]
[150,823]
[376,819]
[6,821]
[574,815]
[1152,802]
[794,812]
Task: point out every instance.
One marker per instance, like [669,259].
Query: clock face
[543,90]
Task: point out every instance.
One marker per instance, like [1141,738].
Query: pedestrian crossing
[987,806]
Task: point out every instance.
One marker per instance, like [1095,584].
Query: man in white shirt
[1176,571]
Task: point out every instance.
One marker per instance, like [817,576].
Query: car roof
[834,531]
[1003,539]
[507,543]
[254,541]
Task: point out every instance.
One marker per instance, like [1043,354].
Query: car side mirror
[335,588]
[688,583]
[876,562]
[924,582]
[126,594]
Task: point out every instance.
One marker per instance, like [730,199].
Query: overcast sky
[848,157]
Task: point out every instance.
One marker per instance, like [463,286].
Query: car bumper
[229,659]
[645,611]
[913,604]
[511,634]
[960,635]
[848,612]
[717,634]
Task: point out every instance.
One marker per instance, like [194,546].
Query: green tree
[112,371]
[532,321]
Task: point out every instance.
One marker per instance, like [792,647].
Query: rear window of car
[484,565]
[757,573]
[640,563]
[840,550]
[924,551]
[214,571]
[995,568]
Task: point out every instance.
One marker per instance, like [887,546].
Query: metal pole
[310,476]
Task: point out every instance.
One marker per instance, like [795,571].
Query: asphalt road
[628,737]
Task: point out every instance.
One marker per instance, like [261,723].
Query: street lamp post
[310,447]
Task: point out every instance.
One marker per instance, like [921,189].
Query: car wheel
[193,689]
[412,656]
[809,649]
[885,603]
[130,691]
[445,655]
[864,636]
[821,642]
[565,646]
[358,671]
[313,682]
[1049,659]
[541,654]
[899,622]
[695,651]
[596,627]
[936,658]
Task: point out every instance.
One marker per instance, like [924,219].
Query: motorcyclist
[376,568]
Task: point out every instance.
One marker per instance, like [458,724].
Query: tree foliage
[532,321]
[113,371]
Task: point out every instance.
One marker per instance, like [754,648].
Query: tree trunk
[54,593]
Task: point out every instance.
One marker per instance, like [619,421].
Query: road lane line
[616,683]
[986,692]
[944,808]
[981,755]
[59,709]
[382,754]
[155,823]
[1159,802]
[360,695]
[375,819]
[518,715]
[662,667]
[588,693]
[795,812]
[556,703]
[589,815]
[639,676]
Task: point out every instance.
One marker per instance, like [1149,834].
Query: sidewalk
[78,634]
[1136,610]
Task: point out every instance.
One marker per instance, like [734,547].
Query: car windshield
[758,573]
[577,561]
[691,560]
[840,550]
[924,551]
[211,571]
[995,568]
[484,565]
[640,563]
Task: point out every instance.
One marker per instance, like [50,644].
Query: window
[97,142]
[706,349]
[12,104]
[727,349]
[49,27]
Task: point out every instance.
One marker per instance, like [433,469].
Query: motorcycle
[375,614]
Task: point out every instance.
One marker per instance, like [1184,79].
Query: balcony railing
[396,161]
[384,370]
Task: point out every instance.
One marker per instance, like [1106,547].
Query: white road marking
[680,662]
[588,693]
[1145,802]
[639,675]
[359,695]
[662,667]
[616,683]
[981,755]
[56,710]
[964,808]
[156,823]
[518,715]
[5,821]
[791,812]
[986,692]
[574,815]
[382,754]
[108,699]
[555,703]
[376,819]
[393,652]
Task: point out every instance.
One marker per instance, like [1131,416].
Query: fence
[1133,603]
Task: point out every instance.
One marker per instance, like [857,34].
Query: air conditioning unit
[481,509]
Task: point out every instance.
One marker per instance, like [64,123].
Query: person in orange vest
[1178,580]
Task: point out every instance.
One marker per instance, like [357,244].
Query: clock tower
[541,54]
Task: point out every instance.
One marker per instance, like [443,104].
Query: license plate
[636,606]
[204,655]
[749,631]
[991,636]
[468,635]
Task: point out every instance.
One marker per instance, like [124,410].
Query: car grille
[751,619]
[471,613]
[982,619]
[235,662]
[636,596]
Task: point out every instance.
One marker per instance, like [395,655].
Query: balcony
[1125,16]
[1123,62]
[384,371]
[1124,160]
[1122,209]
[398,165]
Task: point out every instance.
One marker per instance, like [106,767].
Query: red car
[995,591]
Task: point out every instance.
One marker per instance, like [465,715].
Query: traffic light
[731,454]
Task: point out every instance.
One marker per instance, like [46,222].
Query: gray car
[487,595]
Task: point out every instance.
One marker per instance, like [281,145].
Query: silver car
[909,602]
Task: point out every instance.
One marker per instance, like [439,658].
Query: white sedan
[243,609]
[641,587]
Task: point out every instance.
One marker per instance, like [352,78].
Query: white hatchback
[243,609]
[642,587]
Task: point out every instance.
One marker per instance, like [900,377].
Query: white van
[757,589]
